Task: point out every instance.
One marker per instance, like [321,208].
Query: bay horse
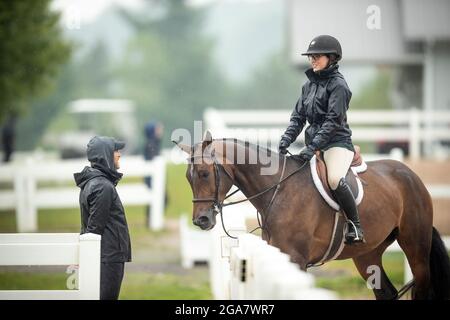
[396,206]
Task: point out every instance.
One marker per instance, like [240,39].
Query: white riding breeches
[338,161]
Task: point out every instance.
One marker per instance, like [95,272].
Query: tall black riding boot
[345,198]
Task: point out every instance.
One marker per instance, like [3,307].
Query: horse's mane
[252,147]
[246,144]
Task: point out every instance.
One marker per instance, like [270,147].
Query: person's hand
[282,147]
[306,154]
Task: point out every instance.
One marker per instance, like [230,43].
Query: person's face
[117,159]
[318,61]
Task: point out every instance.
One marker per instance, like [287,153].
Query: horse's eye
[203,174]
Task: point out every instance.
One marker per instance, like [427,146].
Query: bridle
[218,205]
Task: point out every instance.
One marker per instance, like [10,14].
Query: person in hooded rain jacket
[102,211]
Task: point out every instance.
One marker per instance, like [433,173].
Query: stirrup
[356,238]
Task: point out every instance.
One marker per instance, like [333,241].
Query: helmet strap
[332,60]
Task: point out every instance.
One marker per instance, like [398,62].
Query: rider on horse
[324,102]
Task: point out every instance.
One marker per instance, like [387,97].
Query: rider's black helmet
[324,44]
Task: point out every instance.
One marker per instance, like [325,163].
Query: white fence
[54,249]
[412,126]
[197,245]
[26,197]
[261,271]
[247,268]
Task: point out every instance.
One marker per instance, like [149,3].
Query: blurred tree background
[167,66]
[32,51]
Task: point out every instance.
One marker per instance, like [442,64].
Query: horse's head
[209,180]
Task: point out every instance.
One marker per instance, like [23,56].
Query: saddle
[319,173]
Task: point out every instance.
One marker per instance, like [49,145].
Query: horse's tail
[439,268]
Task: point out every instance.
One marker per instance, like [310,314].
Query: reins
[218,205]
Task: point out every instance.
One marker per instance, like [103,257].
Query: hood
[100,152]
[88,173]
[330,72]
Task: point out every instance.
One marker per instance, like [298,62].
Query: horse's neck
[250,178]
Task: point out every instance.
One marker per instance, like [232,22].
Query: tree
[89,76]
[94,73]
[274,85]
[375,94]
[168,69]
[31,50]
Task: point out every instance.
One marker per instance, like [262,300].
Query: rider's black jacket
[324,102]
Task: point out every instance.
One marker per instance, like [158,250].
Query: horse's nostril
[203,220]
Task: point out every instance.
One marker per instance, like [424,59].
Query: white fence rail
[26,197]
[412,126]
[27,249]
[247,268]
[261,271]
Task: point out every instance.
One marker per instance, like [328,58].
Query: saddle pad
[322,190]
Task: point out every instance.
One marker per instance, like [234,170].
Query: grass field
[155,272]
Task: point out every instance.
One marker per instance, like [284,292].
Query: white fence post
[25,190]
[54,249]
[261,271]
[194,244]
[414,131]
[89,266]
[156,219]
[22,218]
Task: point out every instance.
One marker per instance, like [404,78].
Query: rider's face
[117,159]
[318,61]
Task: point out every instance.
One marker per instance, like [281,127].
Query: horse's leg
[415,230]
[417,246]
[386,290]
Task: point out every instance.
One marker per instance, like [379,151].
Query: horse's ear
[183,147]
[207,139]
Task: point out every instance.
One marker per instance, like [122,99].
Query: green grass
[178,191]
[32,281]
[343,277]
[136,285]
[161,286]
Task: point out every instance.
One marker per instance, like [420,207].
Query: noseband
[218,205]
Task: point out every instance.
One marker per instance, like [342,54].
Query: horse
[396,206]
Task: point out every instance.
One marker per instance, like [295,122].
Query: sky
[90,9]
[263,31]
